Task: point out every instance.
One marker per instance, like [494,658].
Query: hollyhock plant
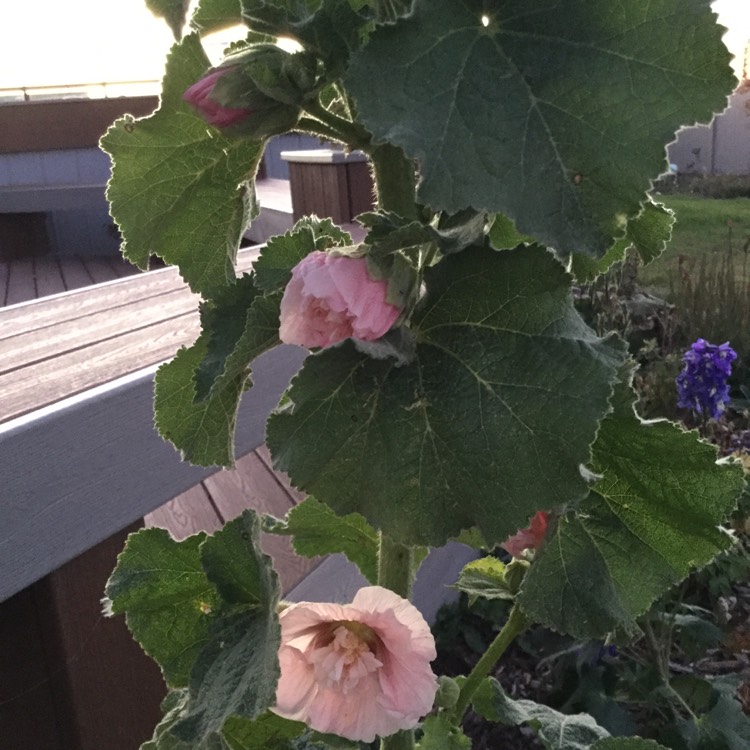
[331,298]
[528,538]
[360,670]
[199,96]
[702,384]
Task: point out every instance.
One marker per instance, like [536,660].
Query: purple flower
[199,96]
[702,384]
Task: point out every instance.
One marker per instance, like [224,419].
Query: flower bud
[256,92]
[447,693]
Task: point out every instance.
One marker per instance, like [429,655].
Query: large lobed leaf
[198,392]
[556,730]
[179,188]
[556,113]
[161,587]
[487,425]
[652,516]
[205,610]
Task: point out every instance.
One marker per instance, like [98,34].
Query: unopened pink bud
[199,96]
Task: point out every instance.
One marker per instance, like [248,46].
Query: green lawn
[702,227]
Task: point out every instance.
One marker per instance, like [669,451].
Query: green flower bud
[447,692]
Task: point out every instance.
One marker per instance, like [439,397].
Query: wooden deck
[25,279]
[80,339]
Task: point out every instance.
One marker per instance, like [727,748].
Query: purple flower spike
[702,384]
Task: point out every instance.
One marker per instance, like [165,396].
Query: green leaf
[559,112]
[488,424]
[485,578]
[626,743]
[267,732]
[657,504]
[237,670]
[168,602]
[198,393]
[174,12]
[239,326]
[273,269]
[504,235]
[441,734]
[648,234]
[330,28]
[317,530]
[179,188]
[173,707]
[214,15]
[557,731]
[202,431]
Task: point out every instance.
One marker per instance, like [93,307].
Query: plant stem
[515,625]
[395,566]
[315,127]
[395,180]
[351,133]
[662,664]
[395,569]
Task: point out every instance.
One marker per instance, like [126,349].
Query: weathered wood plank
[281,477]
[70,306]
[21,285]
[53,341]
[187,514]
[74,473]
[100,269]
[54,379]
[49,279]
[110,295]
[74,273]
[251,485]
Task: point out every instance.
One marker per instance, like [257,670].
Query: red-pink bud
[199,96]
[529,538]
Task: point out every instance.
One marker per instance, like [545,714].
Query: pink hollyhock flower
[199,96]
[331,298]
[359,670]
[528,538]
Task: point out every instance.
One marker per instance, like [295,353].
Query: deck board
[21,284]
[187,514]
[251,484]
[56,340]
[49,278]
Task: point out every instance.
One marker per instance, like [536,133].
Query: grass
[702,227]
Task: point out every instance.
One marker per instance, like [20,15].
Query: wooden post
[329,183]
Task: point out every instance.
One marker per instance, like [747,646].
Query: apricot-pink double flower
[331,298]
[360,670]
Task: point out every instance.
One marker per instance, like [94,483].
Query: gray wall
[720,148]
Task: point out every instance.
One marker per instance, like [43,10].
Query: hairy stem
[395,566]
[395,180]
[515,625]
[351,133]
[661,657]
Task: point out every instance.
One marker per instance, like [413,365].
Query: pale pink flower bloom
[199,96]
[359,670]
[528,538]
[331,298]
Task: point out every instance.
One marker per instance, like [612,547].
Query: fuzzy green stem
[395,180]
[351,133]
[315,127]
[395,566]
[516,624]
